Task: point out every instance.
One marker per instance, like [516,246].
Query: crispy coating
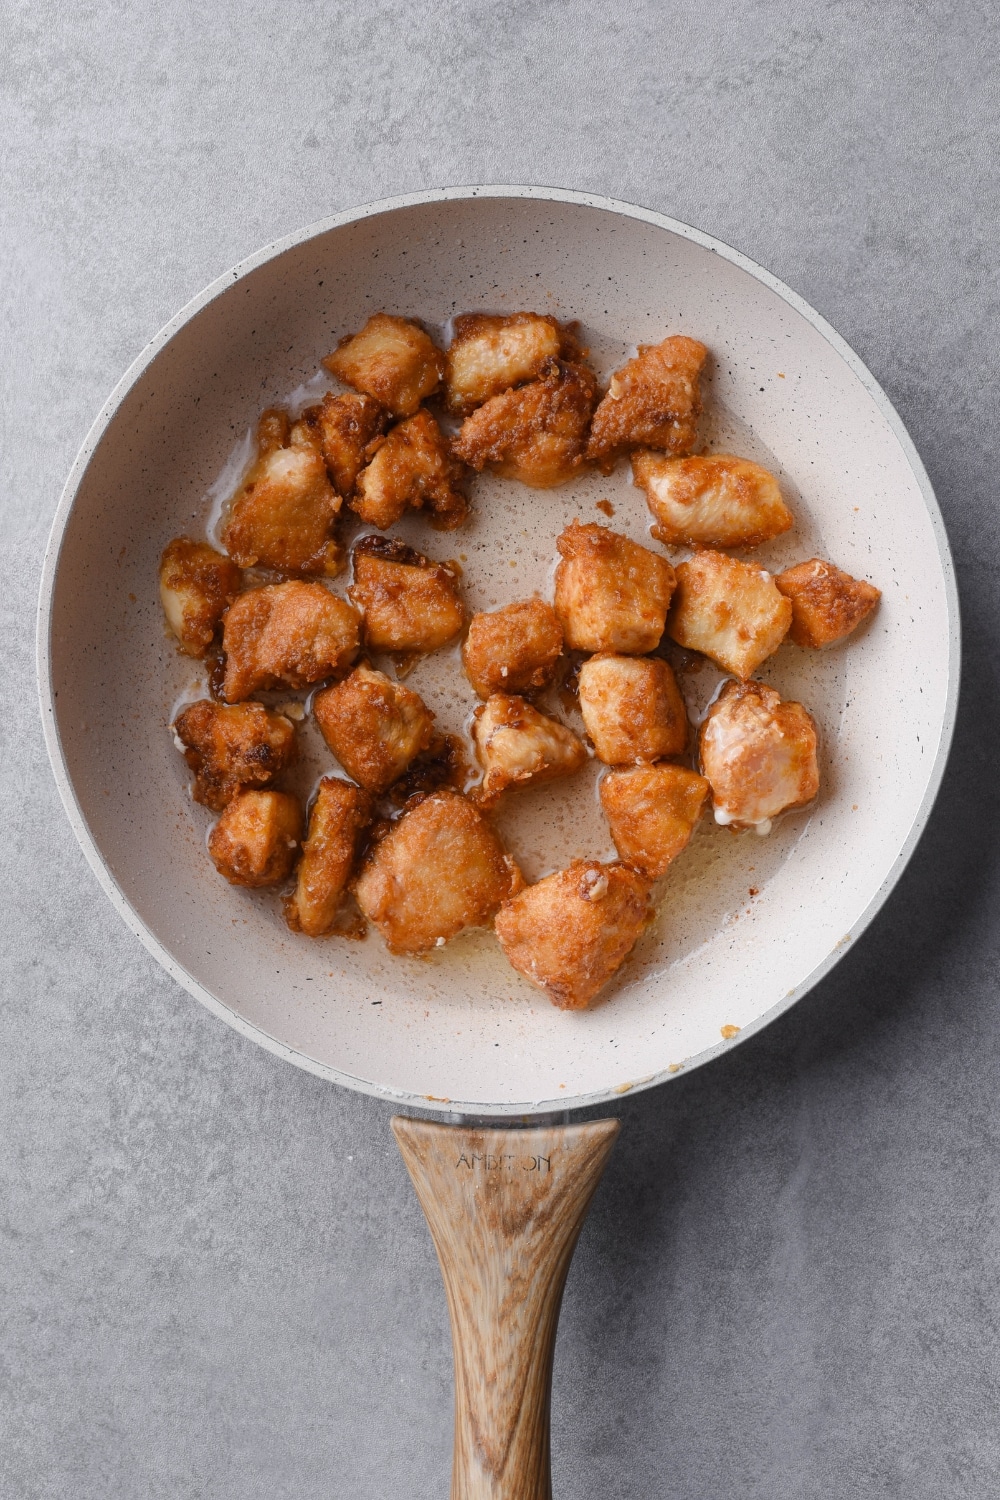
[712,500]
[412,469]
[440,869]
[339,816]
[611,594]
[349,429]
[759,754]
[730,610]
[653,401]
[652,812]
[570,932]
[514,649]
[374,726]
[229,747]
[282,516]
[410,603]
[827,603]
[392,359]
[536,433]
[490,354]
[632,708]
[515,745]
[255,839]
[197,585]
[294,633]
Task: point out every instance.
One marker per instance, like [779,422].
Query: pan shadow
[694,1213]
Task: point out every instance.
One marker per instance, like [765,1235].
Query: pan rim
[50,566]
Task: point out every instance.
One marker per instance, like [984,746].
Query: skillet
[748,925]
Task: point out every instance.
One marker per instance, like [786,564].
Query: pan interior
[744,922]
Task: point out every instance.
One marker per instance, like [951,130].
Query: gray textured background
[215,1281]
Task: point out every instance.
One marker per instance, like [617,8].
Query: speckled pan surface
[460,1029]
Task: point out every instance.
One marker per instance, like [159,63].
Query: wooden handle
[505,1208]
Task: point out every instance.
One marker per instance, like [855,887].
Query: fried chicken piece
[759,754]
[410,603]
[349,429]
[570,932]
[652,812]
[197,585]
[440,869]
[536,433]
[492,353]
[229,747]
[632,708]
[611,594]
[392,359]
[374,726]
[514,649]
[339,816]
[282,516]
[653,401]
[294,633]
[255,839]
[515,745]
[827,603]
[730,610]
[413,468]
[714,500]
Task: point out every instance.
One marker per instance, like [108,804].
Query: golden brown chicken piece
[652,812]
[516,745]
[759,754]
[827,604]
[714,500]
[197,585]
[730,610]
[392,359]
[338,818]
[492,353]
[349,429]
[294,633]
[632,708]
[653,401]
[410,603]
[611,594]
[229,747]
[283,514]
[413,468]
[374,726]
[536,433]
[440,869]
[514,649]
[570,932]
[255,839]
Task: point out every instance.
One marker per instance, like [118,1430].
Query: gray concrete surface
[214,1280]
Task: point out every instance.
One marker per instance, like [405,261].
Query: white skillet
[459,1031]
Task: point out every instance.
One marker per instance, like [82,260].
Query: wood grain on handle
[505,1208]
